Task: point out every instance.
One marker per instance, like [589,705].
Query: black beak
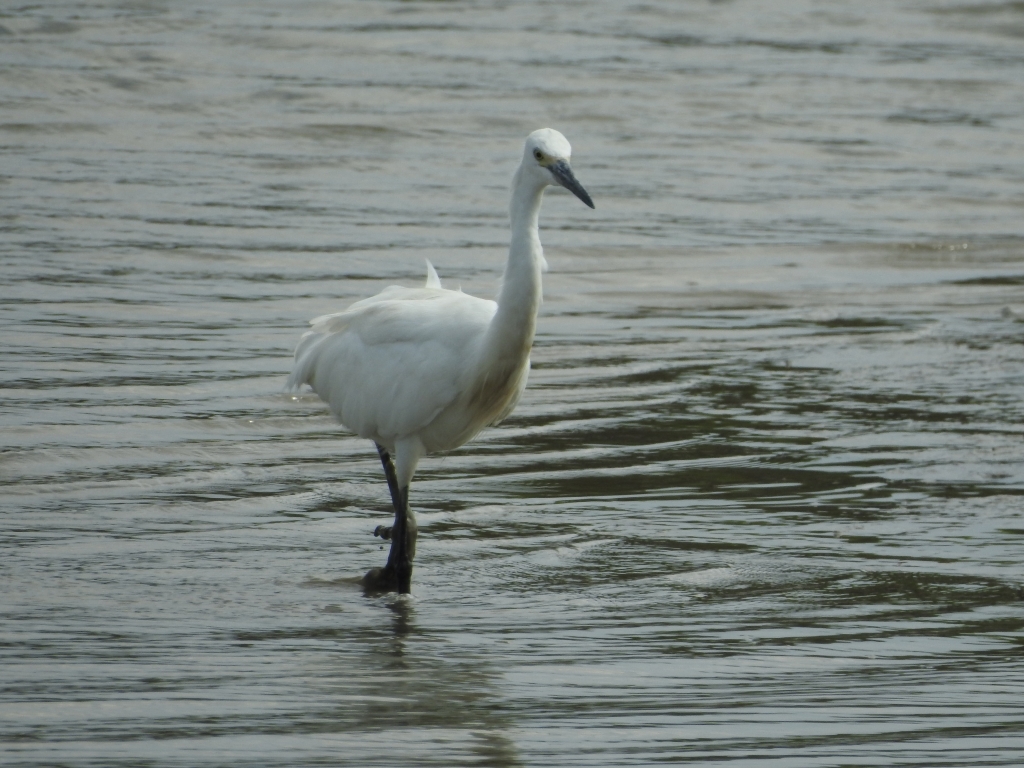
[563,175]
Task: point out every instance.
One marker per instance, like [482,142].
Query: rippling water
[761,504]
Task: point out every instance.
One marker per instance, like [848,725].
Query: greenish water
[761,505]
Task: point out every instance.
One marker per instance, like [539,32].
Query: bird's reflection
[402,617]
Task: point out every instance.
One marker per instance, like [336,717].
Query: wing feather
[389,364]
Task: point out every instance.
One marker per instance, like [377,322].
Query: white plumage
[423,370]
[391,365]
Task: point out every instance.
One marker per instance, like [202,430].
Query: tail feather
[305,359]
[433,281]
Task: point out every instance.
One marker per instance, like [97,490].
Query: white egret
[423,370]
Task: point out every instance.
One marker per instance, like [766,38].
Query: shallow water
[761,504]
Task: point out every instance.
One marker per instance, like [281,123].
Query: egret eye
[538,155]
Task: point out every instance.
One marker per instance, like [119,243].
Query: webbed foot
[380,580]
[384,531]
[388,579]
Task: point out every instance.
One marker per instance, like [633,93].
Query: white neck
[511,331]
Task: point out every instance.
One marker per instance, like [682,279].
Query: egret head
[547,155]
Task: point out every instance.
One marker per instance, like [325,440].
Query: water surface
[761,504]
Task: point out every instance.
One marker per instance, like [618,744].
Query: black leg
[389,473]
[397,574]
[400,556]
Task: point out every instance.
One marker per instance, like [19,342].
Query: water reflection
[397,678]
[403,611]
